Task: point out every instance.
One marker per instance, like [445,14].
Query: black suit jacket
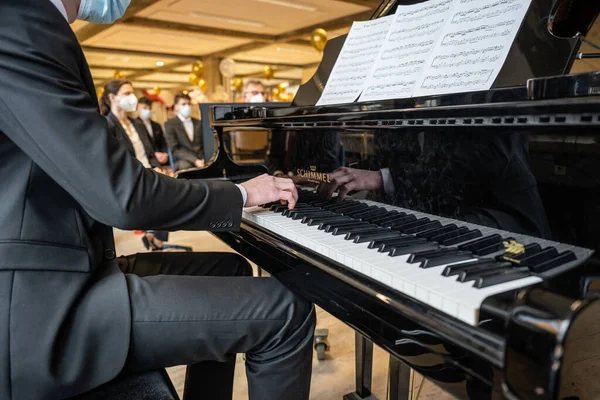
[65,182]
[184,151]
[116,129]
[159,143]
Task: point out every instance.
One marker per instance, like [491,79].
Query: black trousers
[201,309]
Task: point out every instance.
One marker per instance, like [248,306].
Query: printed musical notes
[473,46]
[434,47]
[349,74]
[406,52]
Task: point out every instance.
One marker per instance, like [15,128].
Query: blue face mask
[102,11]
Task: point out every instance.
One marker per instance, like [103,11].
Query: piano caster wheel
[321,343]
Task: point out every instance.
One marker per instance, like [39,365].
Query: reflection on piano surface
[465,246]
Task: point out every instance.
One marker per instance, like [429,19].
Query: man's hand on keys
[266,189]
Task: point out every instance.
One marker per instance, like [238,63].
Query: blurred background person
[184,135]
[153,130]
[117,101]
[254,92]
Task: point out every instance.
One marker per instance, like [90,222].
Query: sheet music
[349,74]
[473,46]
[411,40]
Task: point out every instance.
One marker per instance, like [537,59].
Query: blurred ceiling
[156,41]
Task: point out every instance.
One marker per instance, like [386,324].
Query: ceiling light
[234,21]
[160,64]
[289,4]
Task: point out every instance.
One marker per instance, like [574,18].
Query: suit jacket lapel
[197,132]
[122,134]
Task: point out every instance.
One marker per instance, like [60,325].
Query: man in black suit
[72,315]
[153,130]
[184,135]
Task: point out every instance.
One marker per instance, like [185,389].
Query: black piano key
[562,259]
[501,277]
[324,220]
[377,244]
[398,220]
[493,248]
[424,255]
[546,254]
[444,260]
[287,211]
[423,228]
[302,214]
[346,230]
[400,227]
[474,234]
[368,213]
[319,203]
[383,235]
[354,233]
[470,274]
[388,216]
[316,220]
[332,227]
[345,205]
[278,207]
[482,243]
[451,270]
[438,231]
[450,234]
[404,250]
[269,205]
[359,213]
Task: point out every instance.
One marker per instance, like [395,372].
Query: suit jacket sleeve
[160,144]
[179,152]
[50,113]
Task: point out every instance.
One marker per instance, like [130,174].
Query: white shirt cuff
[244,194]
[388,182]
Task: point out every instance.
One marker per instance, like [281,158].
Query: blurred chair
[250,146]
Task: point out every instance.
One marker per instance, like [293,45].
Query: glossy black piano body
[521,158]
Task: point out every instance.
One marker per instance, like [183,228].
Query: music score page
[358,54]
[431,48]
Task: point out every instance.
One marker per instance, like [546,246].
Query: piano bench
[153,385]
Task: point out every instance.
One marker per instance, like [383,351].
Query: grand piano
[466,246]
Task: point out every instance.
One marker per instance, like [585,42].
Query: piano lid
[535,52]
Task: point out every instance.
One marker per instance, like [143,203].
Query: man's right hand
[199,163]
[266,189]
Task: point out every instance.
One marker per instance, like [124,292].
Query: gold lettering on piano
[313,176]
[513,249]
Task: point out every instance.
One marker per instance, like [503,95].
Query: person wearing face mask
[118,100]
[254,92]
[153,130]
[184,135]
[73,315]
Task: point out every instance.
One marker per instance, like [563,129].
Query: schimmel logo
[313,176]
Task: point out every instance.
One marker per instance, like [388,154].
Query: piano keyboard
[447,264]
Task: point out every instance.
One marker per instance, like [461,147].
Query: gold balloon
[157,90]
[283,87]
[318,38]
[194,79]
[198,68]
[119,75]
[100,92]
[268,71]
[202,84]
[238,84]
[185,92]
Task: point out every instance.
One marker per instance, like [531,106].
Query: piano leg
[364,369]
[399,380]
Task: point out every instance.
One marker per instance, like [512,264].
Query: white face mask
[258,98]
[128,103]
[146,113]
[185,111]
[102,11]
